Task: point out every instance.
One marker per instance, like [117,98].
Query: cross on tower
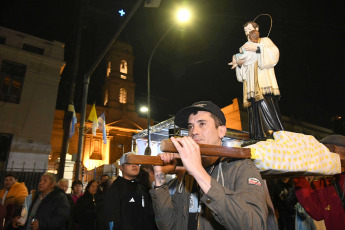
[121,12]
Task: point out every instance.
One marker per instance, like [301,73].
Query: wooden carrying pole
[212,150]
[205,150]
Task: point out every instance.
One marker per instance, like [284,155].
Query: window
[96,150]
[109,69]
[123,96]
[106,95]
[5,146]
[123,69]
[33,49]
[11,81]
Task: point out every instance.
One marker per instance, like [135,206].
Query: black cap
[182,116]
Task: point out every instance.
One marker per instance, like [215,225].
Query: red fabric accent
[322,202]
[308,198]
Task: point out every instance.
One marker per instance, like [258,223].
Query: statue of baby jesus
[243,56]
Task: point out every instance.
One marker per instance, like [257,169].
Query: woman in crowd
[89,209]
[77,190]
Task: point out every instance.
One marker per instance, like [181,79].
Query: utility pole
[70,108]
[86,87]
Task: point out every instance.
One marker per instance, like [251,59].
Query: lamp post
[86,87]
[183,15]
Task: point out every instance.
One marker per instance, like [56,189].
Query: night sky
[191,62]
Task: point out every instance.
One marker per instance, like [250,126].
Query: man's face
[45,185]
[104,178]
[202,129]
[129,171]
[249,28]
[9,181]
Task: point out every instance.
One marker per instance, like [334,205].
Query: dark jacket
[284,200]
[89,213]
[70,225]
[53,211]
[128,205]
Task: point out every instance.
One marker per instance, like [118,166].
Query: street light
[183,15]
[144,109]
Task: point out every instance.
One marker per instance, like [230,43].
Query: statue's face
[249,28]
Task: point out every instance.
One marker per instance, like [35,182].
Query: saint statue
[255,68]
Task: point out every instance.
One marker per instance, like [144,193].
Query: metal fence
[96,173]
[22,168]
[31,177]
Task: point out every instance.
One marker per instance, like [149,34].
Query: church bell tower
[119,85]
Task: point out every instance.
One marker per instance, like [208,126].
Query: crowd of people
[51,207]
[213,193]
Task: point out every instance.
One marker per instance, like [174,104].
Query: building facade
[29,78]
[121,118]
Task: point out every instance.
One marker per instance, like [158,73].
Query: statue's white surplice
[258,77]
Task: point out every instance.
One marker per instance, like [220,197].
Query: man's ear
[221,131]
[120,167]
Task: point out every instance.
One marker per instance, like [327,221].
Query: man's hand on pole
[161,171]
[190,155]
